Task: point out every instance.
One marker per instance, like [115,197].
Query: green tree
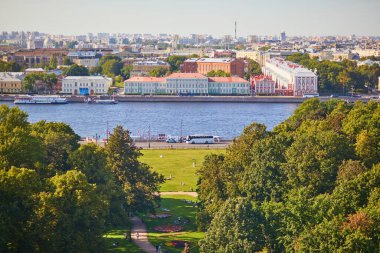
[17,145]
[218,73]
[211,189]
[175,62]
[71,214]
[59,140]
[112,67]
[67,61]
[254,69]
[29,83]
[76,70]
[237,227]
[18,191]
[138,182]
[158,72]
[53,63]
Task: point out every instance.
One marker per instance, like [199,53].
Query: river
[221,119]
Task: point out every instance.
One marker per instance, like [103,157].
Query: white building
[187,83]
[86,85]
[291,79]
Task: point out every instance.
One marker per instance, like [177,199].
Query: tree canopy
[76,70]
[310,184]
[59,196]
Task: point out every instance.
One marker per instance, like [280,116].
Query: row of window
[71,90]
[83,84]
[9,84]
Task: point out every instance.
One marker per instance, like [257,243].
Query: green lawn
[177,163]
[117,236]
[178,208]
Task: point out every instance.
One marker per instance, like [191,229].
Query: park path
[142,241]
[139,227]
[192,194]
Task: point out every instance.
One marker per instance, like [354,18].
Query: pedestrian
[156,248]
[137,235]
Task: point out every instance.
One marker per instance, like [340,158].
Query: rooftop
[145,79]
[211,60]
[186,75]
[86,77]
[232,79]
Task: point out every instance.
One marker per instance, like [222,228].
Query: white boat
[40,100]
[106,101]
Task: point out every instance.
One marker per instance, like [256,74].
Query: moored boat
[40,100]
[106,101]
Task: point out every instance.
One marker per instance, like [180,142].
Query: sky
[215,17]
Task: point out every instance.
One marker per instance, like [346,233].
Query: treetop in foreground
[311,184]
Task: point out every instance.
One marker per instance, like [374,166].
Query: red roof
[186,75]
[145,79]
[233,79]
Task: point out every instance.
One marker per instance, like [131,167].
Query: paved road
[142,239]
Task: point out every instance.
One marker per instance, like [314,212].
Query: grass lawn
[117,236]
[177,163]
[178,208]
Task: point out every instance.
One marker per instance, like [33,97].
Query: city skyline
[185,17]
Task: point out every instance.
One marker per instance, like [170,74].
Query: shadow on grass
[116,242]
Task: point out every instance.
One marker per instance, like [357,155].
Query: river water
[221,119]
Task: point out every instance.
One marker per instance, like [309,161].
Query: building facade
[204,65]
[11,82]
[263,85]
[291,79]
[35,57]
[187,84]
[86,85]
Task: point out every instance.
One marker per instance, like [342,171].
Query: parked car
[170,140]
[334,96]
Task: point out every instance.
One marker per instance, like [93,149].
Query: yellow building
[10,82]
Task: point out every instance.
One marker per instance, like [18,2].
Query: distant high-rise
[283,37]
[235,30]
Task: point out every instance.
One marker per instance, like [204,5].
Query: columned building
[291,79]
[86,85]
[187,84]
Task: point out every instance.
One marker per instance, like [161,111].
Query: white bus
[200,139]
[315,95]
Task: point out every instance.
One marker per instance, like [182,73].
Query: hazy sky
[216,17]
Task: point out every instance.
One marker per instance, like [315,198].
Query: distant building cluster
[187,84]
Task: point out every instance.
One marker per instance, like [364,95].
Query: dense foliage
[218,73]
[254,69]
[40,82]
[159,72]
[76,70]
[340,77]
[310,185]
[59,196]
[9,67]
